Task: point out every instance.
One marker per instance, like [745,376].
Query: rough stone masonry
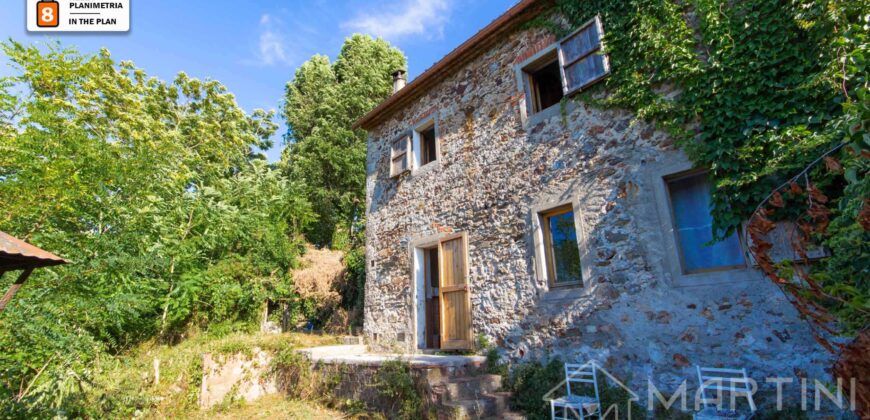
[636,313]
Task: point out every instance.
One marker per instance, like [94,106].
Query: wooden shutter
[455,297]
[580,57]
[400,155]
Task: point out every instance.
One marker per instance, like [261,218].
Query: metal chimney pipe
[400,79]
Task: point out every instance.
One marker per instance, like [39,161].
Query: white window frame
[562,64]
[416,143]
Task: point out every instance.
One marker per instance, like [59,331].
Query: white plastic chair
[721,381]
[580,406]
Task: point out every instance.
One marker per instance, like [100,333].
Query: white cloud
[415,17]
[272,45]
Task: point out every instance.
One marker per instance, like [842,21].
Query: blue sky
[253,47]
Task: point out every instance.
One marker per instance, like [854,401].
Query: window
[399,157]
[425,144]
[562,253]
[693,224]
[545,83]
[572,64]
[580,58]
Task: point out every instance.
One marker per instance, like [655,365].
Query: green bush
[494,365]
[294,374]
[353,287]
[396,382]
[529,382]
[787,413]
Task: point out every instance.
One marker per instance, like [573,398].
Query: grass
[273,407]
[125,385]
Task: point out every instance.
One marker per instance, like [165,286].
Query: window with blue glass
[690,206]
[561,248]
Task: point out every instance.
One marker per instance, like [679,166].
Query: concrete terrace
[358,355]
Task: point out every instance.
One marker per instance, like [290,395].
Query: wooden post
[14,289]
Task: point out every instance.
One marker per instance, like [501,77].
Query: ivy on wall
[754,90]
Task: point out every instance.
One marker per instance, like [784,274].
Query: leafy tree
[151,190]
[324,152]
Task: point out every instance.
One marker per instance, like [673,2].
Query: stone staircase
[472,395]
[458,386]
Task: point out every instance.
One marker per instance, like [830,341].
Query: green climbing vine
[754,90]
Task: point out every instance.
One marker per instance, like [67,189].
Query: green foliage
[529,382]
[396,383]
[755,91]
[793,412]
[618,399]
[123,386]
[494,364]
[324,152]
[353,287]
[294,373]
[152,191]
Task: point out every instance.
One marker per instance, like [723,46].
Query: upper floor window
[425,144]
[690,210]
[570,65]
[580,57]
[544,82]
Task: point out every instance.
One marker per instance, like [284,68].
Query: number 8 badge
[47,14]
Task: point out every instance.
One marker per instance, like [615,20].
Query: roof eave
[516,15]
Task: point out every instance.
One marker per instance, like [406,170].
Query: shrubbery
[531,381]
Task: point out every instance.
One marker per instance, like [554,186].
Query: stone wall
[237,377]
[635,313]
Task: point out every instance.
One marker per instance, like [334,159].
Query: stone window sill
[541,116]
[716,278]
[557,294]
[425,169]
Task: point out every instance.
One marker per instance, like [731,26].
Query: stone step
[471,387]
[443,374]
[486,405]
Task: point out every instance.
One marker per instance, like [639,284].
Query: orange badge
[47,14]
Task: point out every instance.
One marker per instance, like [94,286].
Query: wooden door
[454,294]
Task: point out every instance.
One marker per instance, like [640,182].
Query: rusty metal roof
[16,254]
[522,12]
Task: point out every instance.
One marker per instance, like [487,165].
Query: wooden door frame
[421,243]
[467,288]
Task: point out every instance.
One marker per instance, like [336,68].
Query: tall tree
[149,189]
[328,156]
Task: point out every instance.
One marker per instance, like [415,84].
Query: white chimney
[400,78]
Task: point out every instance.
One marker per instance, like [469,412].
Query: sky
[253,47]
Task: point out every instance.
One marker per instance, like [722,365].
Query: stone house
[497,209]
